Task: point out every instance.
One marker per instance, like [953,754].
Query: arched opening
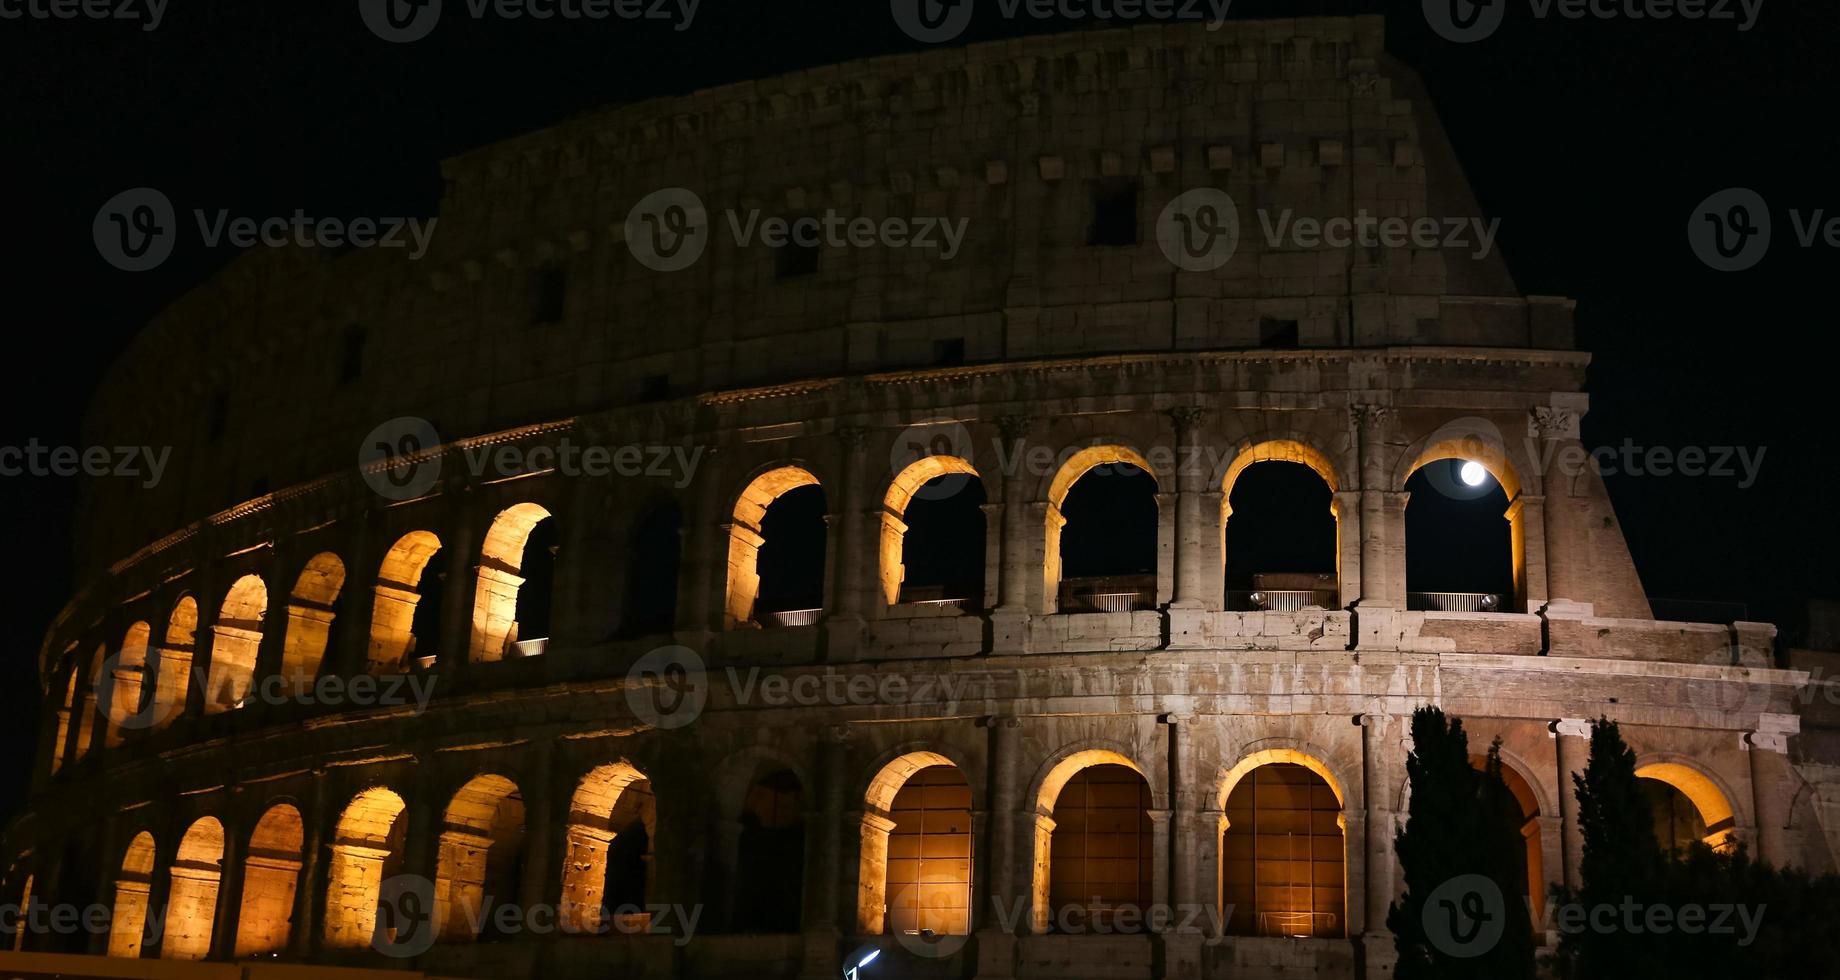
[776,546]
[406,605]
[125,682]
[312,606]
[90,712]
[1465,530]
[1101,552]
[367,848]
[770,855]
[128,921]
[1529,805]
[271,872]
[172,676]
[60,748]
[611,802]
[191,906]
[934,535]
[511,600]
[630,879]
[1283,552]
[1687,807]
[915,870]
[1101,850]
[653,557]
[25,909]
[235,638]
[1283,855]
[481,856]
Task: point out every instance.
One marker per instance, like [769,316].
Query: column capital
[1015,427]
[1574,727]
[1188,417]
[1370,417]
[1554,423]
[853,437]
[1001,722]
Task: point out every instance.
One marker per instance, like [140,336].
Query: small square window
[950,352]
[1114,213]
[351,354]
[796,258]
[549,291]
[1277,333]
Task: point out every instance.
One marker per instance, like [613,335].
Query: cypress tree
[1463,913]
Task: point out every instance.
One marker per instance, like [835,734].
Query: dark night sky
[1590,140]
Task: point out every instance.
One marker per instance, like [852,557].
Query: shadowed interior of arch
[1104,547]
[406,604]
[312,606]
[1687,806]
[608,870]
[480,858]
[934,536]
[1459,543]
[776,546]
[770,855]
[1280,538]
[512,594]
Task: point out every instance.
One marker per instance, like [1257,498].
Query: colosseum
[650,635]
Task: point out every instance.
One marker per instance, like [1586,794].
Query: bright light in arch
[1473,473]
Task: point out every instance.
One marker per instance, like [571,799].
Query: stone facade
[285,821]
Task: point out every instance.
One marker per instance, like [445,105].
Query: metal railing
[1281,600]
[1109,593]
[1454,602]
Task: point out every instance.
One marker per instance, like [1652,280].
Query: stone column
[1161,892]
[1527,523]
[229,888]
[850,581]
[824,880]
[1773,784]
[1371,423]
[1552,872]
[462,560]
[1009,621]
[310,889]
[540,879]
[1004,866]
[1381,764]
[1186,806]
[1346,506]
[1192,526]
[1572,747]
[1557,431]
[701,576]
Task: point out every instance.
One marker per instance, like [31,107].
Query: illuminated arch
[1077,466]
[745,539]
[236,637]
[924,798]
[172,676]
[1529,798]
[271,874]
[1279,449]
[1283,849]
[125,681]
[495,593]
[1280,754]
[191,906]
[310,614]
[399,588]
[589,834]
[133,885]
[1491,452]
[894,509]
[367,842]
[481,840]
[1048,788]
[1714,806]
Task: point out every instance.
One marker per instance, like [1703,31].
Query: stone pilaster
[1572,749]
